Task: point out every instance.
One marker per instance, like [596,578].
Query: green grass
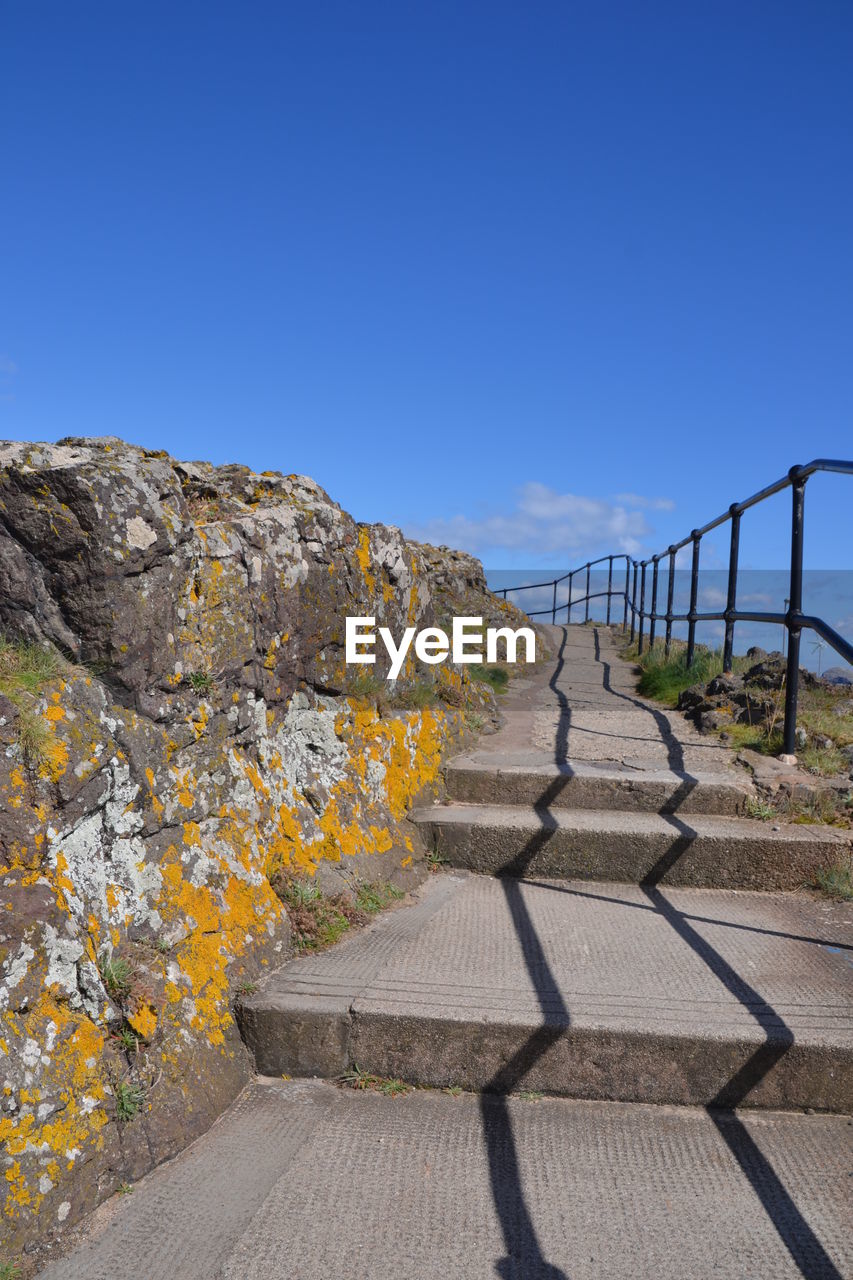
[374,897]
[837,880]
[317,921]
[754,737]
[434,861]
[416,697]
[117,976]
[531,1095]
[358,1079]
[826,761]
[497,677]
[128,1039]
[665,678]
[129,1098]
[10,1270]
[199,681]
[25,670]
[760,809]
[365,685]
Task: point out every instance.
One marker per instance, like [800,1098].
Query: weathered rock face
[195,732]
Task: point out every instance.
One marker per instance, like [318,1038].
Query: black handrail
[795,621]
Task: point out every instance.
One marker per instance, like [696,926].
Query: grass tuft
[129,1098]
[374,897]
[117,975]
[199,681]
[355,1078]
[25,669]
[837,880]
[497,677]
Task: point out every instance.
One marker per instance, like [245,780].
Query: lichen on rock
[195,734]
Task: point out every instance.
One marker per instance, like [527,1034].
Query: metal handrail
[795,621]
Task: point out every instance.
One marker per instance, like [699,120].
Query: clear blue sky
[542,279]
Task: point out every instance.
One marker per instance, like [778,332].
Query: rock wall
[177,726]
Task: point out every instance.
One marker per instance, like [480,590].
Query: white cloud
[644,504]
[545,522]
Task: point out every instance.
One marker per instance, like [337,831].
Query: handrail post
[569,612]
[634,605]
[795,609]
[586,610]
[554,604]
[627,589]
[609,585]
[694,596]
[655,562]
[669,595]
[731,595]
[642,605]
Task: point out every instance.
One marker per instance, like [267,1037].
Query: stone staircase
[672,977]
[633,937]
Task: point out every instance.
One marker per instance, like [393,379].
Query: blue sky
[542,280]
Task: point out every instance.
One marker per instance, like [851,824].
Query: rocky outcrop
[177,728]
[754,697]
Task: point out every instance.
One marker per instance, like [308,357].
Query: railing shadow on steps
[524,1255]
[632,593]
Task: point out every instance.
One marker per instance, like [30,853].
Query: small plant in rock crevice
[836,880]
[391,1087]
[497,677]
[760,809]
[117,975]
[199,681]
[318,921]
[25,670]
[129,1098]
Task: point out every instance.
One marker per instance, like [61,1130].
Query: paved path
[583,706]
[576,986]
[304,1181]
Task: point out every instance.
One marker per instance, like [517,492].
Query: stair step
[587,990]
[699,850]
[584,785]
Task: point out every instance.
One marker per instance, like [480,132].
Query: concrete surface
[504,777]
[303,1181]
[583,989]
[582,705]
[695,849]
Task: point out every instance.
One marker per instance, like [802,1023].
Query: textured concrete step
[715,852]
[503,779]
[596,991]
[303,1181]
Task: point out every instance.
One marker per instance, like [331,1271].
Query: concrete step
[585,785]
[303,1181]
[585,990]
[698,850]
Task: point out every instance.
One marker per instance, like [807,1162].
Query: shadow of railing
[792,1228]
[524,1257]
